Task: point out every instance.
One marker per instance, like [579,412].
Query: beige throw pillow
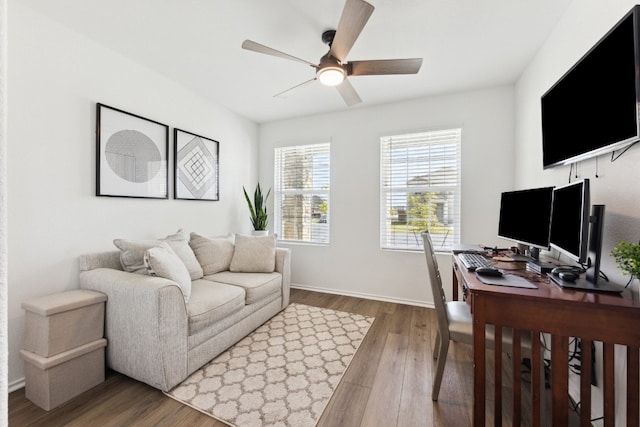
[132,253]
[213,253]
[254,254]
[162,261]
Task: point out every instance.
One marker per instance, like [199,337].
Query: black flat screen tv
[593,108]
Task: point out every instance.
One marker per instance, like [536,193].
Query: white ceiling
[466,44]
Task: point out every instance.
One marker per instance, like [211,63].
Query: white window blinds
[302,182]
[420,189]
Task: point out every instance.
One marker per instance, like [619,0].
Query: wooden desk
[608,318]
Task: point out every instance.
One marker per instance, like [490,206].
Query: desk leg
[479,362]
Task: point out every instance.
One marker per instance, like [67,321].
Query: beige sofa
[158,334]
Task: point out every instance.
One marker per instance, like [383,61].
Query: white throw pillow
[162,261]
[254,254]
[132,253]
[213,253]
[179,242]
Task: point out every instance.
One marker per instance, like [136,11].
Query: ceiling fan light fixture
[331,75]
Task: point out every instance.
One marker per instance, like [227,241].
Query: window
[420,189]
[302,179]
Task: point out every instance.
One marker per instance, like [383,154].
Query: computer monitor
[525,216]
[570,220]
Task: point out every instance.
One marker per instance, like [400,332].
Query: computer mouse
[568,276]
[488,271]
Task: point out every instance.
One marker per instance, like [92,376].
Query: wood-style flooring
[387,384]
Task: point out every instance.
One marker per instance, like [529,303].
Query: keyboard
[473,261]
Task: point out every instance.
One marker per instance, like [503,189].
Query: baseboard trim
[364,295]
[16,385]
[20,383]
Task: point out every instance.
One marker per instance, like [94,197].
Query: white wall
[582,25]
[353,262]
[55,79]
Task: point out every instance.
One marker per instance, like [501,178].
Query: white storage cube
[51,381]
[62,321]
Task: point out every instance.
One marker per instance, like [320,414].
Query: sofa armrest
[283,266]
[146,325]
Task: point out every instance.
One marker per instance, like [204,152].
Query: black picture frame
[131,155]
[196,166]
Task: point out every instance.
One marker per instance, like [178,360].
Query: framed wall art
[131,156]
[196,166]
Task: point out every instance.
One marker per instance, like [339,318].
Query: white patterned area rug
[282,374]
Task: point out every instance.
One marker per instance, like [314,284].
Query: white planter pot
[260,232]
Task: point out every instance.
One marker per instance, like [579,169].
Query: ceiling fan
[333,69]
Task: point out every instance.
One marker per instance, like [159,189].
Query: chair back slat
[439,298]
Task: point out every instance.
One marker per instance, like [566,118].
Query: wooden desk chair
[455,321]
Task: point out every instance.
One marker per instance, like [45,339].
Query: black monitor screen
[525,216]
[570,220]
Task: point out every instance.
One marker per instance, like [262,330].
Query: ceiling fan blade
[257,47]
[384,66]
[348,93]
[354,17]
[285,92]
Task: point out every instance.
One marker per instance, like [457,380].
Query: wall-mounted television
[593,108]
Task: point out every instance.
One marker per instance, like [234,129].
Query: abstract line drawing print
[133,156]
[196,166]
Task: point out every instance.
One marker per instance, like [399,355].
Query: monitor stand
[583,284]
[531,254]
[519,258]
[534,263]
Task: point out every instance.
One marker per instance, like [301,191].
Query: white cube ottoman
[62,321]
[51,381]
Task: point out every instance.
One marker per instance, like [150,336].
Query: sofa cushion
[213,253]
[254,254]
[256,285]
[132,253]
[162,261]
[211,302]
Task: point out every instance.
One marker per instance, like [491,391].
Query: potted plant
[258,210]
[627,256]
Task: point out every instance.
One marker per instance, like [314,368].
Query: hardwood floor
[387,384]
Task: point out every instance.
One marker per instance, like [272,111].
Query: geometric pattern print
[282,374]
[196,167]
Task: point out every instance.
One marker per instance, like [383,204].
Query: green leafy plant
[627,256]
[422,211]
[258,208]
